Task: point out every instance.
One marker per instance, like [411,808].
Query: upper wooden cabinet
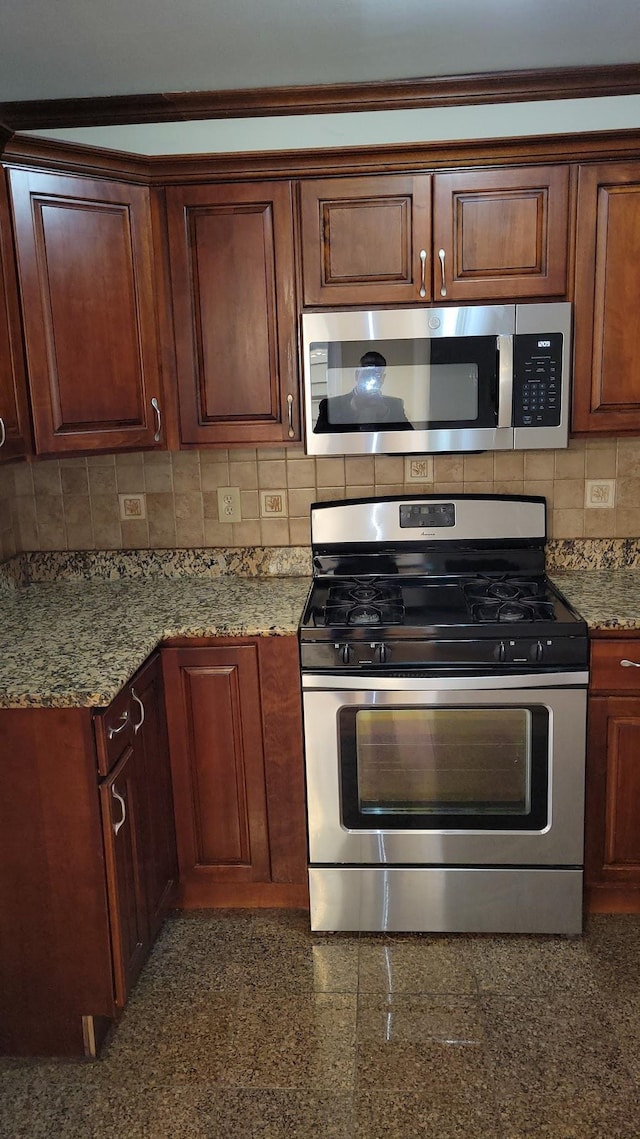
[15,433]
[366,240]
[85,266]
[232,284]
[495,234]
[606,394]
[501,233]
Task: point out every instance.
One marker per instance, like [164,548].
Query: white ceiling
[53,49]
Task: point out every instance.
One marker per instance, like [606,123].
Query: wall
[74,504]
[363,128]
[9,535]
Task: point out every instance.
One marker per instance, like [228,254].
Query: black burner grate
[376,601]
[507,599]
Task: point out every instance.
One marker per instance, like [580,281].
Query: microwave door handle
[505,381]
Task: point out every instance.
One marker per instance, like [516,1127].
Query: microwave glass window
[404,384]
[465,761]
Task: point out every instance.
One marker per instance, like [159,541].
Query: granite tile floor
[244,1024]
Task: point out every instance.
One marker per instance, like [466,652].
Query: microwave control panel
[537,379]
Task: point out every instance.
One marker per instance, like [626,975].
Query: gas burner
[504,589]
[357,590]
[386,612]
[356,602]
[512,610]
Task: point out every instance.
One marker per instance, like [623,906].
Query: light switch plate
[600,494]
[229,509]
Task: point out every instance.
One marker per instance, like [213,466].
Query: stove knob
[501,652]
[344,652]
[382,653]
[538,651]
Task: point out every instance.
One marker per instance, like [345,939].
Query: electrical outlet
[600,493]
[419,469]
[229,504]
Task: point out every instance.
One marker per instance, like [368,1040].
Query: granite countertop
[75,643]
[76,627]
[606,598]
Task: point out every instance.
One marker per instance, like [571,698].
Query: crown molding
[404,94]
[160,171]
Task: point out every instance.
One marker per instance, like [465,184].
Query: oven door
[445,771]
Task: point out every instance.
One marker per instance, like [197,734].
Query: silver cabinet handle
[136,727]
[629,663]
[3,432]
[124,720]
[443,285]
[156,407]
[290,415]
[423,273]
[123,806]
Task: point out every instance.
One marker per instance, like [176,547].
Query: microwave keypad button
[537,366]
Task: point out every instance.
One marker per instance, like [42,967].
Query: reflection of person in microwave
[365,405]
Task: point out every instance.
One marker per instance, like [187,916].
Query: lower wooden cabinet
[87,865]
[120,796]
[88,860]
[137,820]
[236,753]
[612,860]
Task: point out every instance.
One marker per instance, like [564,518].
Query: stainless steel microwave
[422,380]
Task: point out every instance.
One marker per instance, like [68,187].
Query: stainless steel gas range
[444,688]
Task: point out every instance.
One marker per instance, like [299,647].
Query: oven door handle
[412,683]
[505,381]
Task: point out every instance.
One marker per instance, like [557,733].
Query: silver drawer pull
[136,727]
[116,731]
[123,805]
[290,415]
[3,432]
[629,663]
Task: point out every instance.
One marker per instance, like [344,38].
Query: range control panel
[537,379]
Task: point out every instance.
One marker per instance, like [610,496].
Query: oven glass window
[464,767]
[404,384]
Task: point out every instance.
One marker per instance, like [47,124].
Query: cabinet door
[232,282]
[501,233]
[85,269]
[366,240]
[613,792]
[217,759]
[606,393]
[120,795]
[14,417]
[158,853]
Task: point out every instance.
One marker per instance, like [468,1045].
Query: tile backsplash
[170,500]
[9,537]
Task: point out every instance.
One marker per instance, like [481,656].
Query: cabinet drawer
[608,673]
[114,730]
